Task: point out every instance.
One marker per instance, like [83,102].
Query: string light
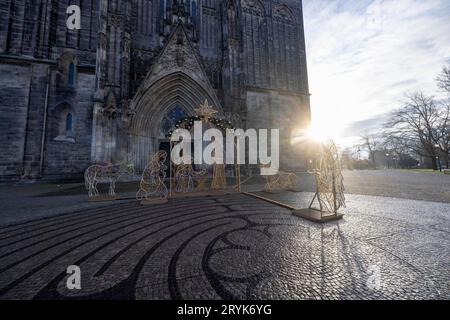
[188,122]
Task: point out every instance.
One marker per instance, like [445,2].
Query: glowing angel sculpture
[96,174]
[280,181]
[329,180]
[152,184]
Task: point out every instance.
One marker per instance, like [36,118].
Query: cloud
[405,83]
[370,125]
[364,55]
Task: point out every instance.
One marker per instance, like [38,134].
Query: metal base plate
[317,216]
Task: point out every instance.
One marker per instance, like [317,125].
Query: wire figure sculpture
[152,185]
[219,181]
[96,174]
[186,179]
[329,180]
[201,177]
[281,181]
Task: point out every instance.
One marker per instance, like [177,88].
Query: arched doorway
[169,120]
[157,107]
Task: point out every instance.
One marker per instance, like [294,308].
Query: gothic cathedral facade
[113,89]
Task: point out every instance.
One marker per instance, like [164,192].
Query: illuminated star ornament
[205,110]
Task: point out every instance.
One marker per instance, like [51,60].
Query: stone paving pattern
[231,247]
[24,202]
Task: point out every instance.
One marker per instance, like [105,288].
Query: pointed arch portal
[152,105]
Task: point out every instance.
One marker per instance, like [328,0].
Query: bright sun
[317,132]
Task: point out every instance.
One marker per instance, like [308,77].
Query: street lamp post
[387,157]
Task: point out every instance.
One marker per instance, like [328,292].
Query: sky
[365,55]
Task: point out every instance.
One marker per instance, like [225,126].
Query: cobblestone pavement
[24,202]
[232,247]
[399,184]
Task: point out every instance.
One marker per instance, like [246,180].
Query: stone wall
[27,108]
[68,158]
[15,84]
[284,111]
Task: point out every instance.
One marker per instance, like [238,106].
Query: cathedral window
[145,12]
[162,9]
[288,70]
[253,7]
[171,117]
[232,20]
[71,75]
[53,21]
[69,123]
[209,27]
[194,12]
[255,42]
[64,123]
[283,14]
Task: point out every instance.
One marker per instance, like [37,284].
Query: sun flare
[317,132]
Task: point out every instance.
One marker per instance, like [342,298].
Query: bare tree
[370,143]
[400,155]
[443,79]
[421,125]
[444,132]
